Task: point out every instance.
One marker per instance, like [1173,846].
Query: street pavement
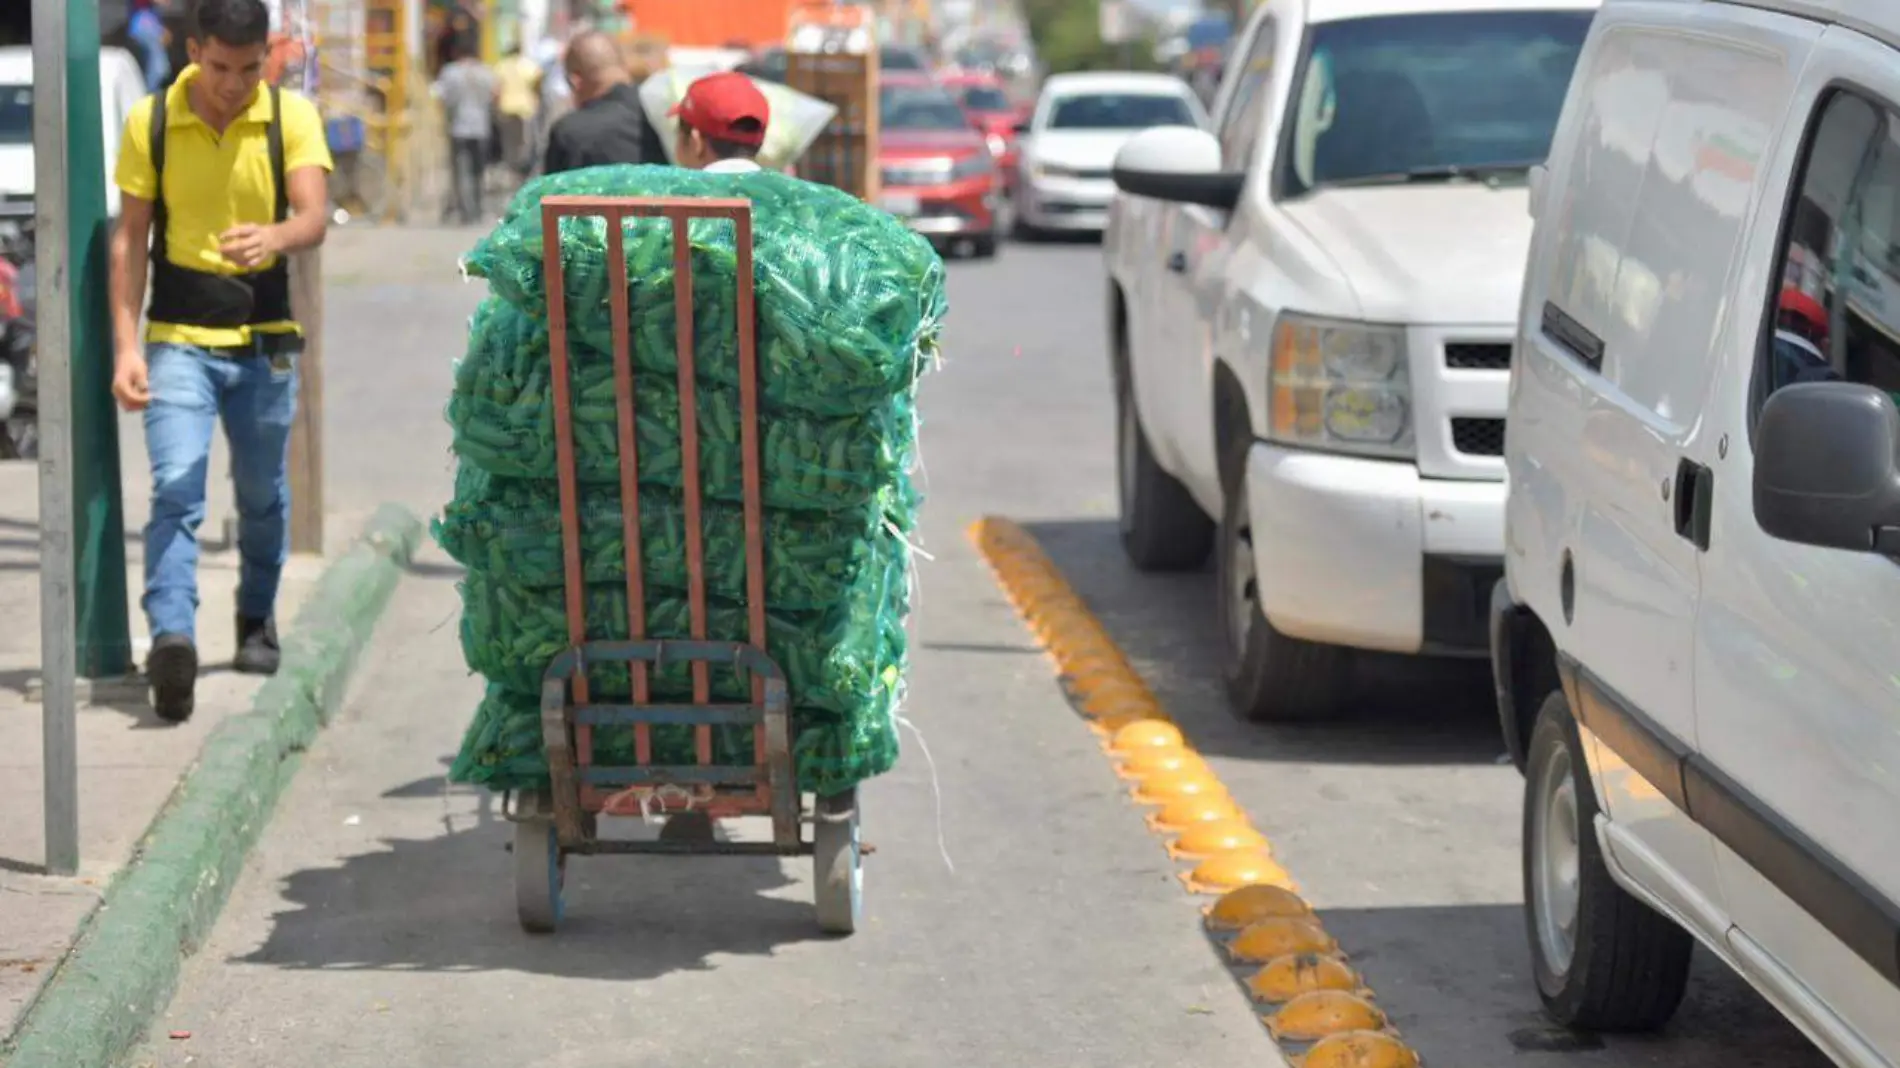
[1018,913]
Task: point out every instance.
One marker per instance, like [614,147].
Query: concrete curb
[121,973]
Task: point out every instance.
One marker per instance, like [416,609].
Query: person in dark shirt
[607,124]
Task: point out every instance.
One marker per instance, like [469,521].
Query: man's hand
[129,384]
[249,245]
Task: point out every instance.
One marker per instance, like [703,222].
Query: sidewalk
[129,761]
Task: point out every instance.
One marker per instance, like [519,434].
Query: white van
[121,85]
[1697,639]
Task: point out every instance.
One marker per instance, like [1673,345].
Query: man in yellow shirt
[226,177]
[517,99]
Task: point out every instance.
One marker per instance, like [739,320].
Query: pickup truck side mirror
[1827,467]
[1180,164]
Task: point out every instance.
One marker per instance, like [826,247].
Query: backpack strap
[157,152]
[274,136]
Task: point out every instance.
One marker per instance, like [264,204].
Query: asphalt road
[1018,913]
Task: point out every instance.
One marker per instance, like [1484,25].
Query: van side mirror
[1827,467]
[1181,164]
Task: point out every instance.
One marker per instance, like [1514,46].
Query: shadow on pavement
[1479,1008]
[1406,711]
[446,904]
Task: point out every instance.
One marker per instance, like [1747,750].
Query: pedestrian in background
[608,125]
[150,39]
[466,89]
[224,177]
[517,102]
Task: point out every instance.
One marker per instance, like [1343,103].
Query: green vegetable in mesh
[502,749]
[833,658]
[502,414]
[849,302]
[510,527]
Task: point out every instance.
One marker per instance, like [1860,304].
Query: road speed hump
[1182,813]
[1359,1049]
[1159,789]
[1251,904]
[1219,874]
[1285,978]
[1324,1012]
[1214,837]
[1258,943]
[1146,734]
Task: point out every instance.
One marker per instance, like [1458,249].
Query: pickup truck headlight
[1042,171]
[1341,387]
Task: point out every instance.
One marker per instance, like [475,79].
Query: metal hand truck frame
[563,820]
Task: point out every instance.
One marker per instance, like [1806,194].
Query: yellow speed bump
[1285,978]
[1251,904]
[1169,786]
[1144,764]
[1177,816]
[1277,937]
[1260,899]
[1226,871]
[1324,1012]
[1211,838]
[1146,734]
[1359,1049]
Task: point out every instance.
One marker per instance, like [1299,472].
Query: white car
[1070,140]
[1695,640]
[1311,313]
[121,85]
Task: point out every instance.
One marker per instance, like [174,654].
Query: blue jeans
[256,396]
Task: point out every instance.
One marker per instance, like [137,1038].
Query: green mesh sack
[833,658]
[502,749]
[849,302]
[502,415]
[510,527]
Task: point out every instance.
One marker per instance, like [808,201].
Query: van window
[16,114]
[1397,98]
[1835,310]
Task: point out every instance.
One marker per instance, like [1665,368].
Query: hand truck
[563,820]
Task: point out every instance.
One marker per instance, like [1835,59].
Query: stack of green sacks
[848,307]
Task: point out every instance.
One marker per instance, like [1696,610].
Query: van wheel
[1603,960]
[1162,528]
[1270,677]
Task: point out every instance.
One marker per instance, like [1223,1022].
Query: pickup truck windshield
[1433,97]
[16,114]
[919,108]
[1120,111]
[985,98]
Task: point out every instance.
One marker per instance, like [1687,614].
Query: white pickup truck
[1311,312]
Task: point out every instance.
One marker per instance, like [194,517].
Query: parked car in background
[902,59]
[1311,309]
[1694,640]
[121,85]
[990,108]
[936,171]
[1069,143]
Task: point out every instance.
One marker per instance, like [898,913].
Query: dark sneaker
[257,651]
[172,669]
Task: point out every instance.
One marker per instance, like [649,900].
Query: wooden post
[306,434]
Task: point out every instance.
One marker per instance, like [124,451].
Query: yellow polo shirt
[213,183]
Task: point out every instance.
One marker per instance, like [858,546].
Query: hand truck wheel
[838,863]
[540,872]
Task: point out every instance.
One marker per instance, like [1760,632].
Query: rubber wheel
[1270,677]
[1603,960]
[1162,528]
[540,872]
[838,864]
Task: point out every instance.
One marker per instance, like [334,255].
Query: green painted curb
[121,973]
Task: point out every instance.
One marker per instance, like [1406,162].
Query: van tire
[1628,964]
[1162,528]
[1270,677]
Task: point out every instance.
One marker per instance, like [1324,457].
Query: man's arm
[559,156]
[306,186]
[130,254]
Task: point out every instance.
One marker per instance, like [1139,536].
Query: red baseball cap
[716,104]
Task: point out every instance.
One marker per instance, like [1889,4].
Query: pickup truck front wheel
[1270,677]
[1162,528]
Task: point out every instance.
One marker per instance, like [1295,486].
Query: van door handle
[1695,502]
[1177,262]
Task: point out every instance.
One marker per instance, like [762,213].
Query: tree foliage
[1068,37]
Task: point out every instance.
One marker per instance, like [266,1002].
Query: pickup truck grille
[1477,356]
[1478,437]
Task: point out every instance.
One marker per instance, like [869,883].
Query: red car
[937,172]
[984,99]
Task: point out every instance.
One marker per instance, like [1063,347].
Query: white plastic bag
[796,119]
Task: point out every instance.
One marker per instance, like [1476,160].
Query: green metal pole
[103,630]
